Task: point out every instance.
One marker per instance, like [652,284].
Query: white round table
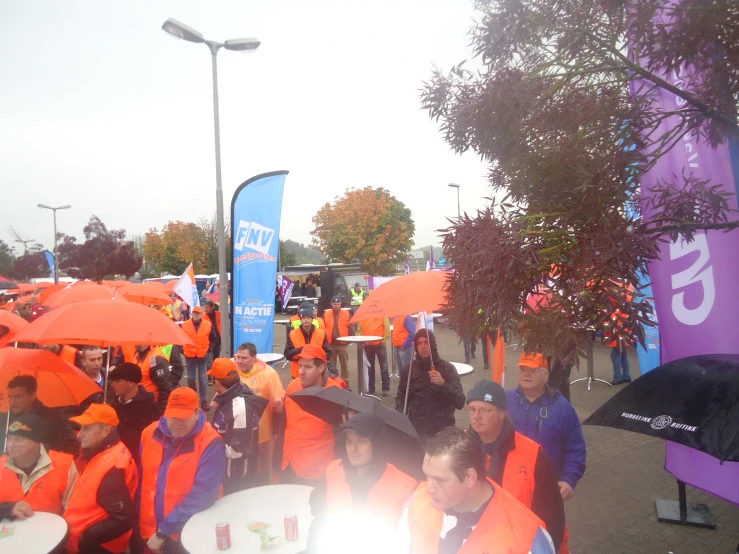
[359,338]
[282,322]
[261,504]
[434,315]
[38,534]
[270,357]
[463,369]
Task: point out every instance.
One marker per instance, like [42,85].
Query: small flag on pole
[187,289]
[407,266]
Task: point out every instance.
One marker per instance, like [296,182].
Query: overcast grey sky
[103,110]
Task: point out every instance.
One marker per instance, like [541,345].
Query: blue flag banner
[50,261]
[256,209]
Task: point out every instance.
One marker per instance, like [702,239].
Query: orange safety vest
[518,473]
[298,340]
[400,333]
[201,338]
[83,511]
[373,326]
[506,526]
[45,494]
[180,476]
[386,499]
[146,365]
[68,354]
[321,323]
[344,318]
[309,441]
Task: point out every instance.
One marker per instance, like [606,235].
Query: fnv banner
[256,209]
[694,283]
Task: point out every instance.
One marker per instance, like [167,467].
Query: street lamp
[182,31]
[56,264]
[459,211]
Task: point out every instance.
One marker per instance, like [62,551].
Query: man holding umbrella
[361,488]
[433,390]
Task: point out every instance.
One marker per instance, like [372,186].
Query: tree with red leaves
[564,119]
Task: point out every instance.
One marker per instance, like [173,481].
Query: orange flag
[498,359]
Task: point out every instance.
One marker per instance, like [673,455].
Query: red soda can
[223,536]
[291,527]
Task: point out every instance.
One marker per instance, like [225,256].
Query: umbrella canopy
[12,321]
[72,295]
[44,294]
[330,405]
[145,293]
[423,291]
[104,323]
[44,284]
[27,298]
[693,401]
[6,283]
[20,288]
[59,383]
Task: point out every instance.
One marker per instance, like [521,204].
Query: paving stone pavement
[613,510]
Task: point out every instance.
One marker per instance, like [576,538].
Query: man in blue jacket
[542,414]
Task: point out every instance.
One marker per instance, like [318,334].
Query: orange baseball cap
[182,403]
[533,359]
[97,413]
[222,367]
[197,310]
[312,351]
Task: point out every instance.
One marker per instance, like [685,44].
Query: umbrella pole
[105,381]
[407,383]
[7,424]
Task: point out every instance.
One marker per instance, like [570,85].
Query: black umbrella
[6,284]
[693,401]
[330,405]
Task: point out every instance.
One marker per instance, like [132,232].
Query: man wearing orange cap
[540,412]
[309,441]
[100,508]
[183,463]
[236,419]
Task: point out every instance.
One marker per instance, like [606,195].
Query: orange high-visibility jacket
[344,317]
[46,492]
[201,338]
[298,340]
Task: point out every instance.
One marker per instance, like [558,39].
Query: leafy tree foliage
[287,257]
[104,254]
[303,254]
[7,257]
[369,224]
[567,125]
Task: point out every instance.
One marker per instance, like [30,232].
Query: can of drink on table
[223,536]
[291,527]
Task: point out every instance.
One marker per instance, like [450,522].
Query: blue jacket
[208,478]
[552,422]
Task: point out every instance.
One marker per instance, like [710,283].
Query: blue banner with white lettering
[50,261]
[256,209]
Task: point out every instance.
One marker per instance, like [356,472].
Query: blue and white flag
[256,209]
[50,261]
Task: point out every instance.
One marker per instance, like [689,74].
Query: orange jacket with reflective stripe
[145,366]
[518,473]
[400,333]
[69,354]
[373,327]
[180,476]
[45,494]
[298,340]
[201,338]
[309,441]
[385,500]
[506,525]
[344,317]
[83,511]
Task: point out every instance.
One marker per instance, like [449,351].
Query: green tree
[369,224]
[7,257]
[287,258]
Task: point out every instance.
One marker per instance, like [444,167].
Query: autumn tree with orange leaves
[369,224]
[173,248]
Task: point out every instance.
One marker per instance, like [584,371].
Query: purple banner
[286,290]
[694,284]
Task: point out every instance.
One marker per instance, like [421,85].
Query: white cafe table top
[38,534]
[463,369]
[282,321]
[359,338]
[298,297]
[261,504]
[270,357]
[435,314]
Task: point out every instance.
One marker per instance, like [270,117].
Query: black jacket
[547,501]
[160,376]
[112,496]
[134,416]
[291,351]
[215,335]
[176,365]
[430,407]
[236,417]
[59,433]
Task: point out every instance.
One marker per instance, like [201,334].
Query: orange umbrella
[44,284]
[12,321]
[44,294]
[80,294]
[423,291]
[21,288]
[27,298]
[104,323]
[169,287]
[146,293]
[59,383]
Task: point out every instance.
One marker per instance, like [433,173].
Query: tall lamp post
[56,263]
[459,211]
[182,31]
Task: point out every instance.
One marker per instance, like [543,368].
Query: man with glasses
[541,413]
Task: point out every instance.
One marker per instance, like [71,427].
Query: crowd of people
[131,465]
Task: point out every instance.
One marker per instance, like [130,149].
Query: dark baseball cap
[126,372]
[336,299]
[488,391]
[306,310]
[29,426]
